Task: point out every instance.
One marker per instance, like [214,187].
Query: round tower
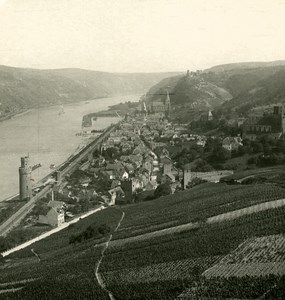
[25,184]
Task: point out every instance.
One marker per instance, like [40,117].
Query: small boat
[52,166]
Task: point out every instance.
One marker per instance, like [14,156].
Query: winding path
[106,245]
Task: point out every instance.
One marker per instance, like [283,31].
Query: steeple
[167,104]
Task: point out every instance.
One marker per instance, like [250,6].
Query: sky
[140,35]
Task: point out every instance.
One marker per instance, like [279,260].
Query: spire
[167,100]
[167,104]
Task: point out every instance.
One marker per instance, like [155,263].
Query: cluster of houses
[134,159]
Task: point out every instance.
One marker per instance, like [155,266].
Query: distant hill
[245,65]
[190,91]
[27,88]
[265,92]
[236,86]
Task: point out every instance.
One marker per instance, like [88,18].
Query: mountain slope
[190,91]
[236,86]
[245,65]
[265,92]
[27,88]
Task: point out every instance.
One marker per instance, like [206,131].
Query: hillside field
[161,267]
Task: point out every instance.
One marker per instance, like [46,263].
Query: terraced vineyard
[55,278]
[193,205]
[263,255]
[261,287]
[60,240]
[144,258]
[173,270]
[63,271]
[163,266]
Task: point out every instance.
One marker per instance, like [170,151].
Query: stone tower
[127,187]
[25,171]
[279,113]
[186,177]
[167,105]
[278,110]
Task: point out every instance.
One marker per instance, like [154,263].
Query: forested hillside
[28,88]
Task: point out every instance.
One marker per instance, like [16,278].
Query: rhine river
[47,136]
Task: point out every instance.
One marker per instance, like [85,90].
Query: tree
[3,244]
[162,190]
[104,229]
[280,146]
[257,147]
[219,154]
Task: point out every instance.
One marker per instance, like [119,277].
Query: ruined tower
[25,187]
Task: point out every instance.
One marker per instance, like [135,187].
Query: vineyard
[56,278]
[143,262]
[173,270]
[261,287]
[163,266]
[263,255]
[62,271]
[193,205]
[60,240]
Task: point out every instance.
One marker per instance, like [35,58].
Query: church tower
[167,105]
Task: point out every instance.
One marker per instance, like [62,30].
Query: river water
[47,136]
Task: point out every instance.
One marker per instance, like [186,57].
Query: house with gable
[52,214]
[116,193]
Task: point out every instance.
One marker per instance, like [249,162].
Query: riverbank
[49,138]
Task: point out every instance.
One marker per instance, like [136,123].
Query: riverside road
[66,168]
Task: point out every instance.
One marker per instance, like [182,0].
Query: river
[47,136]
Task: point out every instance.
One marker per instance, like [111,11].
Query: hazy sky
[140,35]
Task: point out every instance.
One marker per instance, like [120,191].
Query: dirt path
[105,247]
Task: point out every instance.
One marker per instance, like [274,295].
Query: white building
[53,217]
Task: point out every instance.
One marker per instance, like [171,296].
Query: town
[148,156]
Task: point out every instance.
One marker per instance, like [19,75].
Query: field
[163,266]
[193,205]
[60,241]
[61,270]
[55,278]
[266,172]
[263,255]
[261,287]
[145,260]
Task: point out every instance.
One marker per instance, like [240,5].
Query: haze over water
[49,138]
